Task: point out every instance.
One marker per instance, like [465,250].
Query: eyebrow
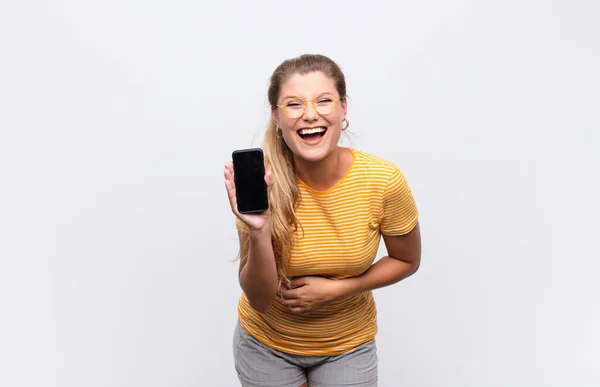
[295,96]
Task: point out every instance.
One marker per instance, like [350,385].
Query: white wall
[116,241]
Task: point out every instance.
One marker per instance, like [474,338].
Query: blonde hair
[279,159]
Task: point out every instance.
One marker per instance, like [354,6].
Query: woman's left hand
[311,293]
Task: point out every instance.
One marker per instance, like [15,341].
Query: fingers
[296,306]
[292,299]
[269,178]
[298,310]
[292,302]
[228,172]
[287,293]
[269,181]
[230,186]
[299,281]
[230,192]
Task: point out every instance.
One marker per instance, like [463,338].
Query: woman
[307,314]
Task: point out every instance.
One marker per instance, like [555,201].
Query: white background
[117,242]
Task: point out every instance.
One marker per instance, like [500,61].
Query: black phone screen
[249,178]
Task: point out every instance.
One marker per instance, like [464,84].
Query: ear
[274,114]
[344,105]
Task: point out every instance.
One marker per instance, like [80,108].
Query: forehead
[307,85]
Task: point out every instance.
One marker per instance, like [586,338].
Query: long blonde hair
[284,197]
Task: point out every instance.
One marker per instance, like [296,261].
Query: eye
[294,104]
[324,100]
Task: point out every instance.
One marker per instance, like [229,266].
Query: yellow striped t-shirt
[339,237]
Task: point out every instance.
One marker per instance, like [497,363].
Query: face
[311,136]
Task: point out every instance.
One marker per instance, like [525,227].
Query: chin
[314,149]
[313,154]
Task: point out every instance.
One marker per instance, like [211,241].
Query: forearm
[384,272]
[258,277]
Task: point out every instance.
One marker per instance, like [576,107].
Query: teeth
[311,131]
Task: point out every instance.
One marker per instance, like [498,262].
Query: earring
[278,133]
[345,124]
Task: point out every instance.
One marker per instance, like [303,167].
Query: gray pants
[257,365]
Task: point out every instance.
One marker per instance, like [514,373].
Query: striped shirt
[339,235]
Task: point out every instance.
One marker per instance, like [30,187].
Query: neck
[324,174]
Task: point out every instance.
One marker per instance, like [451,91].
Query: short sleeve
[399,210]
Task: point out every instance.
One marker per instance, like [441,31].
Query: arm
[311,293]
[403,245]
[258,272]
[402,261]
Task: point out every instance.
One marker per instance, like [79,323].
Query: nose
[310,114]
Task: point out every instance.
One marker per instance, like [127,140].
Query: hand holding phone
[247,185]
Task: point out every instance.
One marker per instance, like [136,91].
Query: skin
[321,166]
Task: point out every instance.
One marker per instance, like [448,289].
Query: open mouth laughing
[312,135]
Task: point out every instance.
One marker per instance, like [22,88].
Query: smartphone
[249,179]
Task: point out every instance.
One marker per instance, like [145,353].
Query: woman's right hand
[256,222]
